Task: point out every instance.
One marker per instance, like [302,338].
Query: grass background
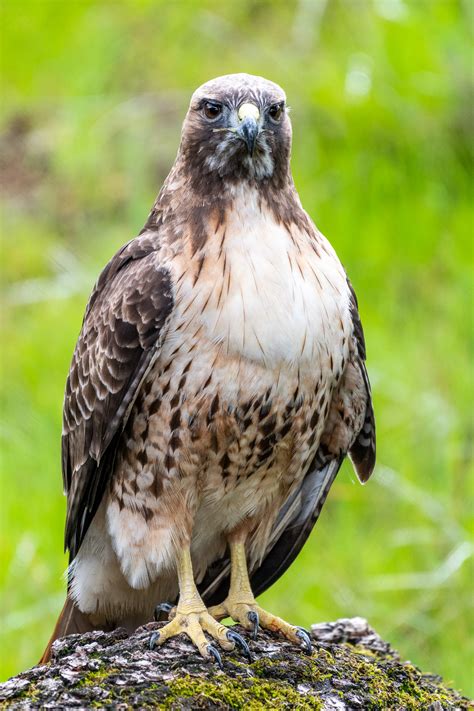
[93,94]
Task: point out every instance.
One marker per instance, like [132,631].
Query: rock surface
[351,667]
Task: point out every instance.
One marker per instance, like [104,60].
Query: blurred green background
[93,95]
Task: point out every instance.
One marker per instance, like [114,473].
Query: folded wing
[123,328]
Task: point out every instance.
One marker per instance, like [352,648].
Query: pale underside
[230,415]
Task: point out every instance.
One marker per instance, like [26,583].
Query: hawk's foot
[251,616]
[194,624]
[191,617]
[241,606]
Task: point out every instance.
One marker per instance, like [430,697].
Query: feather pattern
[363,449]
[301,510]
[290,532]
[120,338]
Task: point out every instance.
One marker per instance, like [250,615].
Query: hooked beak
[249,128]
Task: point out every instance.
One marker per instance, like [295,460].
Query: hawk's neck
[204,199]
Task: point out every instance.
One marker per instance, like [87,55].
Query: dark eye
[212,110]
[276,111]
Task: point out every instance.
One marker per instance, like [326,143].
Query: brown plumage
[219,378]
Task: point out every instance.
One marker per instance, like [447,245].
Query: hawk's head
[237,127]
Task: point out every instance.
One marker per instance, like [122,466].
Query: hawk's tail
[70,621]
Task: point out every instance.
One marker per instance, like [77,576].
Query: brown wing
[121,335]
[350,429]
[363,449]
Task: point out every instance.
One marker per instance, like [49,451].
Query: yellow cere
[248,111]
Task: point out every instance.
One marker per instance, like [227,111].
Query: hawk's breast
[267,292]
[231,415]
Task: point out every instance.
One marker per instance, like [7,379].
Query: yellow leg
[191,617]
[240,603]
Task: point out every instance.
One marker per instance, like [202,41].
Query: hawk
[217,384]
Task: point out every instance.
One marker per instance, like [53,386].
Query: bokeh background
[93,95]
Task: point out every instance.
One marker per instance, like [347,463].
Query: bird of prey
[217,384]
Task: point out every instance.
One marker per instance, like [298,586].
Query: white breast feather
[283,303]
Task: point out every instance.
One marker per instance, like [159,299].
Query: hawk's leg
[192,618]
[241,606]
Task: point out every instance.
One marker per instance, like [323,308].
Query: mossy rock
[350,668]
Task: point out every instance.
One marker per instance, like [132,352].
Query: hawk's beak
[249,129]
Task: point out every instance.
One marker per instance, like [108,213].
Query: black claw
[162,607]
[253,617]
[215,655]
[305,640]
[154,639]
[240,642]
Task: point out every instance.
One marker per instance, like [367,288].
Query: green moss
[31,694]
[98,677]
[250,694]
[300,669]
[381,680]
[374,678]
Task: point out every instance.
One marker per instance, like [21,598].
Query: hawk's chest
[267,293]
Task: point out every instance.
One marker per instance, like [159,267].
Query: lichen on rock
[351,668]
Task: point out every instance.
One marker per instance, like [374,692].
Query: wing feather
[123,328]
[363,448]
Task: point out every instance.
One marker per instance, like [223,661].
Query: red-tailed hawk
[216,386]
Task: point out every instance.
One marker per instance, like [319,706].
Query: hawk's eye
[212,110]
[276,111]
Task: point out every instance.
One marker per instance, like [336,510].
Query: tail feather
[70,621]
